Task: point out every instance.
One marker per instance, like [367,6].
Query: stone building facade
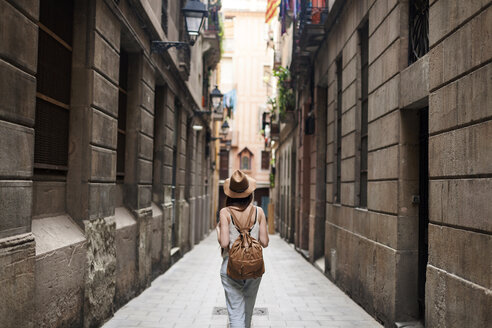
[384,170]
[104,181]
[246,71]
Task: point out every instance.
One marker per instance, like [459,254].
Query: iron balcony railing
[313,12]
[213,20]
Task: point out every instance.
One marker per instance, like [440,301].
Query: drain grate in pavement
[260,311]
[219,310]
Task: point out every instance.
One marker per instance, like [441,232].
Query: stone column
[162,160]
[183,207]
[92,153]
[138,159]
[167,139]
[18,65]
[317,229]
[190,181]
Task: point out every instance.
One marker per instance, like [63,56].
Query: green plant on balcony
[286,99]
[220,34]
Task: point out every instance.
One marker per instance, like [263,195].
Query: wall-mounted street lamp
[194,12]
[224,128]
[216,97]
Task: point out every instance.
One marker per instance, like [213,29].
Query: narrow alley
[293,293]
[360,128]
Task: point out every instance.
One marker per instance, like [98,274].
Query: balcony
[311,25]
[309,33]
[212,35]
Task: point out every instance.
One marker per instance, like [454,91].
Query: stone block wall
[372,252]
[305,172]
[18,65]
[59,275]
[76,246]
[458,289]
[365,247]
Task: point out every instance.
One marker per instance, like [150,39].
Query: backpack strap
[236,222]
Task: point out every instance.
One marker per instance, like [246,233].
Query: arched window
[245,157]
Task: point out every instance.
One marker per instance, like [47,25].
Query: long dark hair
[240,203]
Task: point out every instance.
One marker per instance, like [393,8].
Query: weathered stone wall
[18,50]
[60,247]
[373,253]
[458,289]
[157,240]
[304,150]
[18,66]
[318,178]
[127,285]
[17,270]
[100,276]
[183,211]
[92,161]
[365,249]
[98,243]
[285,176]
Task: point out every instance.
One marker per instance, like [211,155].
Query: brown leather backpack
[246,253]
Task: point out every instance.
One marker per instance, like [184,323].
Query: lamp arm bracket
[202,112]
[158,46]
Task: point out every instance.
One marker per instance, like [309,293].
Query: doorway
[423,250]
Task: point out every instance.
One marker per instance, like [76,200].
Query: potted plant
[286,99]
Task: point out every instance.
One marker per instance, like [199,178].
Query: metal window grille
[338,185]
[122,109]
[364,53]
[53,86]
[418,29]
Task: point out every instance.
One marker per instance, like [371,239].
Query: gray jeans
[240,297]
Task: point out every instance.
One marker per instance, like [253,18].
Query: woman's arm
[264,239]
[224,229]
[217,229]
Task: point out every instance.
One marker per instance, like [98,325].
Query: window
[122,104]
[224,164]
[364,54]
[228,45]
[245,163]
[265,160]
[53,86]
[418,29]
[339,131]
[226,72]
[245,156]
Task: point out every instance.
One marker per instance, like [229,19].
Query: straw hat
[239,185]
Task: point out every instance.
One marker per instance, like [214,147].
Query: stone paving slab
[293,291]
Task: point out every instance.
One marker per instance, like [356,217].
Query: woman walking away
[242,229]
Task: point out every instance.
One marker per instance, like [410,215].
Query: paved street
[294,293]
